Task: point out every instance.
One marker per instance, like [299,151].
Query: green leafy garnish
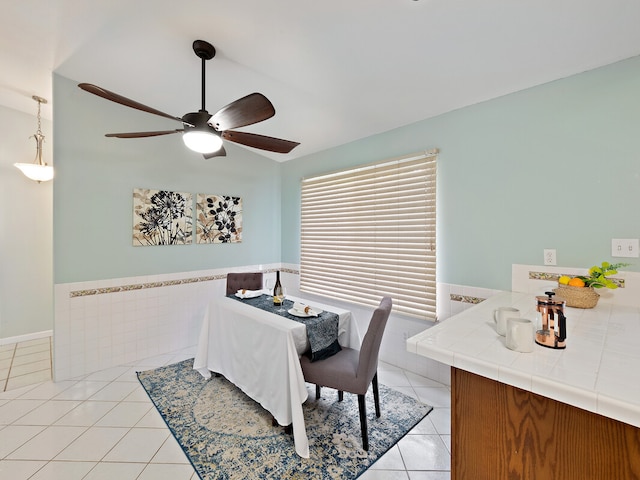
[598,275]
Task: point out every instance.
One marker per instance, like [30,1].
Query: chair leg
[317,392]
[363,422]
[340,395]
[376,396]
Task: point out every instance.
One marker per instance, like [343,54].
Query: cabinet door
[503,432]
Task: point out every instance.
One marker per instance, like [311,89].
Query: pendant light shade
[38,171]
[34,171]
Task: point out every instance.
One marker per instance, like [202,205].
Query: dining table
[258,350]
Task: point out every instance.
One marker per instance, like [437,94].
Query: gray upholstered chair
[351,370]
[247,280]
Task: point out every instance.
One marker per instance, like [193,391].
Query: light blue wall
[95,178]
[26,266]
[556,166]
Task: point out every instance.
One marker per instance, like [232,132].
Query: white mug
[520,332]
[500,316]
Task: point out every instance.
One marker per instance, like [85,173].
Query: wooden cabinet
[502,432]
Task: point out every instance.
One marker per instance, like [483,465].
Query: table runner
[322,330]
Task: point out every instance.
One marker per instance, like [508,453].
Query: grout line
[10,375]
[6,381]
[51,355]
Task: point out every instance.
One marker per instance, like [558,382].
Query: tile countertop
[599,370]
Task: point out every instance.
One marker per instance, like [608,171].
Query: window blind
[370,231]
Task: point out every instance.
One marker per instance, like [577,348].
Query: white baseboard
[26,337]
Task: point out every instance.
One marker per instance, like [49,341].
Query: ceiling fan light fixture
[201,141]
[198,132]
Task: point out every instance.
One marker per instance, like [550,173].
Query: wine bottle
[277,290]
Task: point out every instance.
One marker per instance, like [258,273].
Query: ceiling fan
[203,132]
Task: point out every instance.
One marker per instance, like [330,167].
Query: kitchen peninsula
[549,414]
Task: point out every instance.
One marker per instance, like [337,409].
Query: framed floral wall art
[161,217]
[218,219]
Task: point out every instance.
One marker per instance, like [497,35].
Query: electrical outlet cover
[550,256]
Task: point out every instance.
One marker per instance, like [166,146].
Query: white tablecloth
[258,351]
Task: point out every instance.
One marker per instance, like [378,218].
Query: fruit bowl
[578,297]
[579,291]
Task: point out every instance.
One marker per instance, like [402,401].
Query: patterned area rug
[227,435]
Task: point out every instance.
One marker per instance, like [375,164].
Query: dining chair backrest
[368,358]
[239,280]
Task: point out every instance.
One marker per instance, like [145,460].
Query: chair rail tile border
[165,283]
[555,276]
[466,299]
[141,286]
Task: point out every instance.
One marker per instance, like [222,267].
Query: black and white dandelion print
[161,217]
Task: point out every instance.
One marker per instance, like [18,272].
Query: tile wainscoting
[107,323]
[101,324]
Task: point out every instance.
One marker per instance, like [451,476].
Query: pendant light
[38,170]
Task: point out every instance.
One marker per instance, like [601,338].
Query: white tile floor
[25,363]
[104,426]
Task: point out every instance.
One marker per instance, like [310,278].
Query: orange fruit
[576,282]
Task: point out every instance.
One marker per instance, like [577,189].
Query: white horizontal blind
[370,231]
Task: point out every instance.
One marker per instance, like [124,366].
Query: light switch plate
[624,247]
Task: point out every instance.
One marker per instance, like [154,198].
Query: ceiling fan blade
[114,97]
[262,142]
[221,152]
[248,110]
[143,134]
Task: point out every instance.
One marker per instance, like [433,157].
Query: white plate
[296,313]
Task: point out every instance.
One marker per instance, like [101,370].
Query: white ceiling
[335,70]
